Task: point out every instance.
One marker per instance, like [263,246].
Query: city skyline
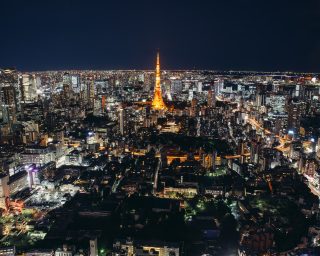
[97,163]
[168,128]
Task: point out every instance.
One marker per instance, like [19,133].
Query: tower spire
[157,102]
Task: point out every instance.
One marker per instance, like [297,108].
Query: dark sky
[266,35]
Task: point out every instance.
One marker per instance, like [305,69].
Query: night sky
[264,35]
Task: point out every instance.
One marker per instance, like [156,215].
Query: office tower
[148,79]
[260,99]
[193,109]
[66,78]
[176,87]
[75,83]
[157,102]
[211,99]
[28,87]
[199,86]
[9,96]
[294,115]
[277,104]
[219,84]
[190,96]
[241,147]
[90,93]
[8,99]
[122,120]
[66,92]
[255,151]
[297,92]
[103,104]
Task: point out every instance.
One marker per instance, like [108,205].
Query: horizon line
[169,70]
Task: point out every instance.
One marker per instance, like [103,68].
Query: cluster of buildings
[159,163]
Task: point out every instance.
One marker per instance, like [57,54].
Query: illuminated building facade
[122,120]
[9,95]
[4,190]
[294,115]
[146,248]
[28,88]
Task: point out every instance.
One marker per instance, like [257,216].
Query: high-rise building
[9,93]
[4,190]
[211,99]
[93,247]
[157,102]
[66,78]
[260,99]
[176,87]
[90,93]
[8,99]
[28,88]
[254,151]
[122,120]
[75,82]
[294,115]
[199,86]
[277,103]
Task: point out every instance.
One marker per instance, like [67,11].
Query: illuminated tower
[157,102]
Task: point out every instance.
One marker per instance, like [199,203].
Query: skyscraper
[157,102]
[8,96]
[122,120]
[211,99]
[28,88]
[294,114]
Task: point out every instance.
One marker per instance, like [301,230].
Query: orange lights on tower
[157,102]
